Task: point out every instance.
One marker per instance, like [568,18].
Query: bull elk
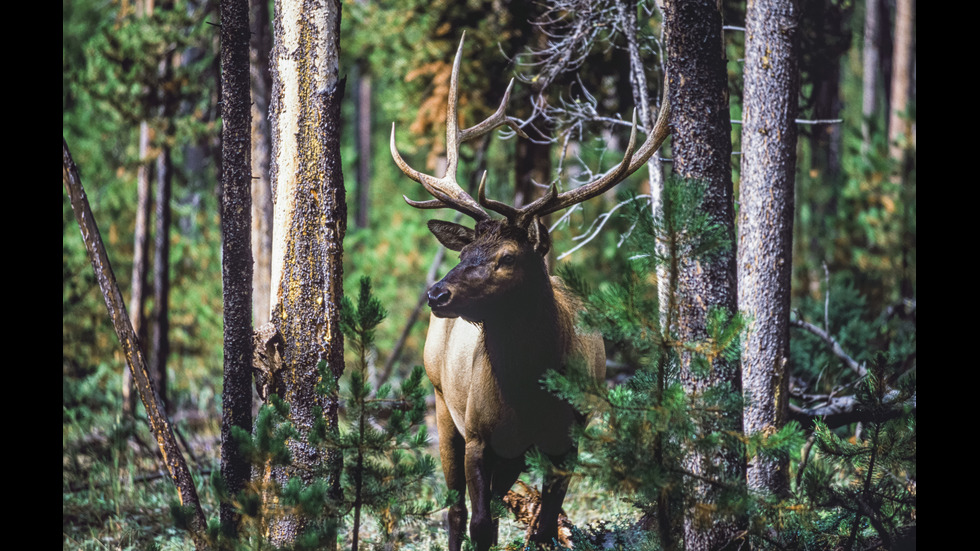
[498,323]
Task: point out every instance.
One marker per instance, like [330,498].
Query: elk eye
[507,260]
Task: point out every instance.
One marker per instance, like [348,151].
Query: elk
[498,323]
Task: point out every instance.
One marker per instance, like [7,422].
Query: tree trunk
[701,141]
[141,243]
[310,223]
[899,127]
[236,253]
[363,147]
[160,343]
[765,224]
[901,134]
[141,249]
[826,146]
[262,207]
[870,61]
[641,94]
[159,424]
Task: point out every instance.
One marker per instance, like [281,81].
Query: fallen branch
[116,306]
[844,410]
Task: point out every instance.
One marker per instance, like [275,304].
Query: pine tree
[867,484]
[384,438]
[856,383]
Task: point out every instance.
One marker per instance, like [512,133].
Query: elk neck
[529,334]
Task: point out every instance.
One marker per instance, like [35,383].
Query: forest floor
[116,496]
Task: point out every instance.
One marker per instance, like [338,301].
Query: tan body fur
[457,364]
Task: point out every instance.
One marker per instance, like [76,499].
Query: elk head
[500,256]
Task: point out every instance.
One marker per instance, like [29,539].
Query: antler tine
[498,119]
[446,190]
[500,208]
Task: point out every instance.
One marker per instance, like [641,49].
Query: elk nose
[438,295]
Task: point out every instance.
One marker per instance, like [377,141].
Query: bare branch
[596,227]
[835,346]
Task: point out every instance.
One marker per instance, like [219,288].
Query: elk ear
[540,237]
[453,236]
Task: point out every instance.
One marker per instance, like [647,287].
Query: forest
[265,200]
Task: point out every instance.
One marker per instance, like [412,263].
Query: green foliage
[852,492]
[112,80]
[385,435]
[856,205]
[643,427]
[866,485]
[106,500]
[860,478]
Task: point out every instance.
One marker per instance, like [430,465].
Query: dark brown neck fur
[529,335]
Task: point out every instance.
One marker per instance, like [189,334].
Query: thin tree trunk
[627,12]
[641,95]
[116,307]
[141,249]
[765,218]
[262,207]
[701,140]
[901,134]
[870,61]
[363,86]
[899,127]
[310,223]
[141,242]
[236,253]
[826,156]
[160,344]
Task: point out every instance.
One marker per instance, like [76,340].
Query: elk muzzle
[439,296]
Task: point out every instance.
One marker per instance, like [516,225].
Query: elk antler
[446,190]
[448,193]
[553,201]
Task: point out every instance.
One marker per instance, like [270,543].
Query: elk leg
[478,476]
[553,490]
[452,453]
[505,474]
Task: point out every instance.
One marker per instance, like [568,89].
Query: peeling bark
[309,225]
